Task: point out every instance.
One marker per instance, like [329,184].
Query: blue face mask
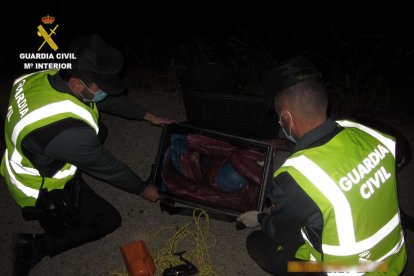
[288,136]
[98,95]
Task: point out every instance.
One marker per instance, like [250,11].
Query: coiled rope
[198,232]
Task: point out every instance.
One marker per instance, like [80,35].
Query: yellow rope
[198,232]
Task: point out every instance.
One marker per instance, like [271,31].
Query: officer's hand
[249,219]
[157,120]
[150,193]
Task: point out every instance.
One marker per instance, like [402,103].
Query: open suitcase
[223,174]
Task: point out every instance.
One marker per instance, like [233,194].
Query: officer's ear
[288,119]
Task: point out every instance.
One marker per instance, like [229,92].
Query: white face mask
[288,136]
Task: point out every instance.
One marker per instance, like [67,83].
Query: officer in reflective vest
[335,199]
[52,132]
[32,96]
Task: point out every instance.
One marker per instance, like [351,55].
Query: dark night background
[366,54]
[364,50]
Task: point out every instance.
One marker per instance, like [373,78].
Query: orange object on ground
[137,259]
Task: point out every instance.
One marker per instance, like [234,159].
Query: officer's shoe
[26,254]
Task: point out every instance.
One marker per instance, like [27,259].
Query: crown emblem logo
[48,19]
[47,36]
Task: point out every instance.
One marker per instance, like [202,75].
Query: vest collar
[318,136]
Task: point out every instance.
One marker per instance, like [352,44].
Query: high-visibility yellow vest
[35,104]
[352,180]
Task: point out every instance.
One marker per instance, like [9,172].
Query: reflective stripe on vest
[372,266]
[47,105]
[41,113]
[50,110]
[389,143]
[345,226]
[30,192]
[365,157]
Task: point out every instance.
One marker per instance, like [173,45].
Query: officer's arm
[121,106]
[81,147]
[292,209]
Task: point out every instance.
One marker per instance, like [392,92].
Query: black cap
[285,75]
[100,62]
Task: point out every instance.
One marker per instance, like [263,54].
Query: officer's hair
[308,98]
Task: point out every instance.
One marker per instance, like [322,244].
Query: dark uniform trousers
[274,258]
[75,223]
